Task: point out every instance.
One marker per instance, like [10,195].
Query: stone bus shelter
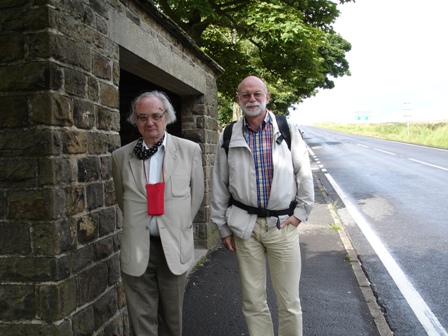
[68,72]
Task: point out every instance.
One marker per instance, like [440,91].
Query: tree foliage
[290,44]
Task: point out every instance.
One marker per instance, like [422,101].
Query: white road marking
[383,151]
[421,310]
[428,164]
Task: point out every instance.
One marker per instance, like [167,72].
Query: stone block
[71,21]
[42,17]
[83,322]
[113,270]
[98,143]
[112,51]
[107,221]
[93,89]
[54,172]
[74,199]
[51,109]
[103,248]
[102,25]
[12,49]
[83,113]
[12,3]
[106,167]
[38,45]
[109,193]
[54,238]
[105,307]
[109,95]
[56,301]
[81,258]
[18,173]
[28,77]
[89,169]
[75,142]
[33,18]
[100,7]
[95,195]
[94,39]
[87,227]
[107,119]
[121,296]
[35,204]
[15,238]
[14,111]
[32,142]
[117,241]
[75,83]
[116,73]
[113,142]
[17,301]
[76,54]
[78,10]
[34,269]
[90,283]
[101,67]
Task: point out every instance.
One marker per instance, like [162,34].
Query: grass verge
[433,134]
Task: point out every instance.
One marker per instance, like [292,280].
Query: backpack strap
[227,136]
[284,130]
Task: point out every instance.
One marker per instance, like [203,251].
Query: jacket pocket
[180,185]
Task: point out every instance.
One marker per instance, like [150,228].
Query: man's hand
[229,243]
[292,220]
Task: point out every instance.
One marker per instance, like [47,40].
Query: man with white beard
[261,192]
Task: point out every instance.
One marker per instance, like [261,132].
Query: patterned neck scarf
[145,153]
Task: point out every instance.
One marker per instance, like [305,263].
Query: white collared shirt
[153,167]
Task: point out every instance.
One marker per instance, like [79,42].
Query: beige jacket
[235,176]
[184,191]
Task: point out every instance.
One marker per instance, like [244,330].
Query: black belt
[260,212]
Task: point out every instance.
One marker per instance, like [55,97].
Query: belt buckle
[263,212]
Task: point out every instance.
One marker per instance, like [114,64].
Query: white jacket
[235,176]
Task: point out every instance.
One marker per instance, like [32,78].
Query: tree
[290,44]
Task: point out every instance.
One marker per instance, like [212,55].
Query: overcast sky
[398,61]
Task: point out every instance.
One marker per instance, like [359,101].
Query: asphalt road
[393,201]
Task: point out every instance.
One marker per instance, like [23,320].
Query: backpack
[282,125]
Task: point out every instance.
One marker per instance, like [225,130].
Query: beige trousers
[283,254]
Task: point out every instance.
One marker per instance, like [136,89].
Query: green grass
[433,134]
[335,227]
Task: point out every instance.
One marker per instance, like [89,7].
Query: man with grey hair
[159,185]
[261,192]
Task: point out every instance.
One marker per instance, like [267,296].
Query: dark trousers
[155,299]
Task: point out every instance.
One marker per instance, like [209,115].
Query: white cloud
[399,52]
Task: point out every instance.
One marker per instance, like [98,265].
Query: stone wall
[60,227]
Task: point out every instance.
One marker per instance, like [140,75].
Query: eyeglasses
[256,95]
[155,117]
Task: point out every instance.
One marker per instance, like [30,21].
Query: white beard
[253,113]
